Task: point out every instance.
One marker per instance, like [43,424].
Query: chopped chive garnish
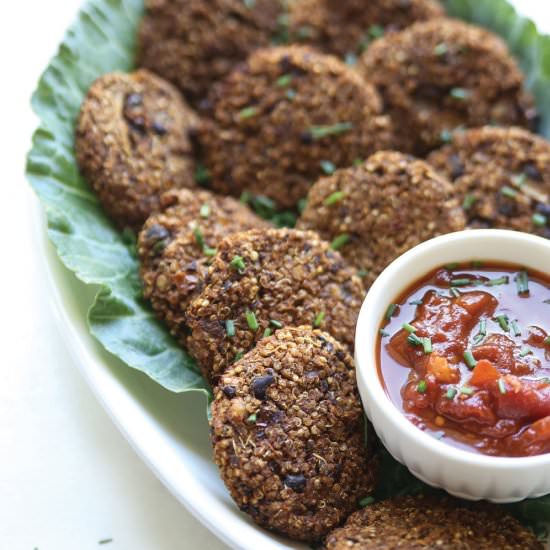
[248,112]
[350,59]
[415,303]
[478,338]
[522,282]
[441,49]
[246,197]
[483,327]
[466,390]
[508,192]
[409,328]
[339,241]
[251,320]
[451,266]
[515,328]
[357,162]
[333,198]
[275,323]
[446,136]
[198,236]
[451,392]
[366,501]
[209,251]
[267,332]
[422,386]
[459,93]
[238,356]
[230,328]
[504,280]
[362,273]
[469,359]
[238,263]
[390,311]
[202,175]
[414,339]
[455,293]
[383,333]
[545,380]
[547,341]
[501,386]
[427,345]
[205,211]
[327,167]
[502,320]
[461,282]
[252,418]
[319,132]
[319,318]
[376,31]
[291,94]
[284,80]
[469,201]
[519,180]
[546,302]
[524,351]
[540,220]
[302,203]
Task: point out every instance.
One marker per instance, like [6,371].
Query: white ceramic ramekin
[462,473]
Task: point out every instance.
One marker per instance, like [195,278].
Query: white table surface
[68,479]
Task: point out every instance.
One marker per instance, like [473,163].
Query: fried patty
[263,279]
[284,117]
[193,43]
[132,143]
[502,177]
[378,210]
[288,434]
[176,245]
[348,27]
[415,523]
[443,74]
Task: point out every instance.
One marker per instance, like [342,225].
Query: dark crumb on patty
[132,143]
[378,210]
[176,246]
[501,176]
[193,43]
[348,27]
[443,74]
[288,434]
[285,117]
[264,279]
[441,523]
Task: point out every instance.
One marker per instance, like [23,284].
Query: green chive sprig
[319,318]
[339,241]
[333,198]
[422,386]
[320,132]
[238,264]
[469,359]
[251,320]
[502,320]
[230,328]
[522,282]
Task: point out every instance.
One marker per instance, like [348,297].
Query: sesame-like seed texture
[132,143]
[288,434]
[194,43]
[173,263]
[501,177]
[385,206]
[290,277]
[348,27]
[273,123]
[442,75]
[434,522]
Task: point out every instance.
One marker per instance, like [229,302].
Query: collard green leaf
[101,40]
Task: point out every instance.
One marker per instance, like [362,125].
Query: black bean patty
[263,279]
[283,118]
[176,246]
[132,143]
[193,43]
[288,434]
[434,522]
[376,211]
[443,74]
[348,27]
[501,176]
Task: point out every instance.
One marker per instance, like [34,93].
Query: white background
[67,477]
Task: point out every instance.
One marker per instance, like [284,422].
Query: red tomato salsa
[464,353]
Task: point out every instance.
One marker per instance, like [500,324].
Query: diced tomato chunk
[484,374]
[443,372]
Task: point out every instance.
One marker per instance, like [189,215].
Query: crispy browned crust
[132,143]
[299,466]
[272,150]
[434,522]
[342,27]
[173,263]
[193,43]
[388,204]
[290,277]
[481,162]
[442,74]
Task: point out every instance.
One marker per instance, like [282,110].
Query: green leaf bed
[102,39]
